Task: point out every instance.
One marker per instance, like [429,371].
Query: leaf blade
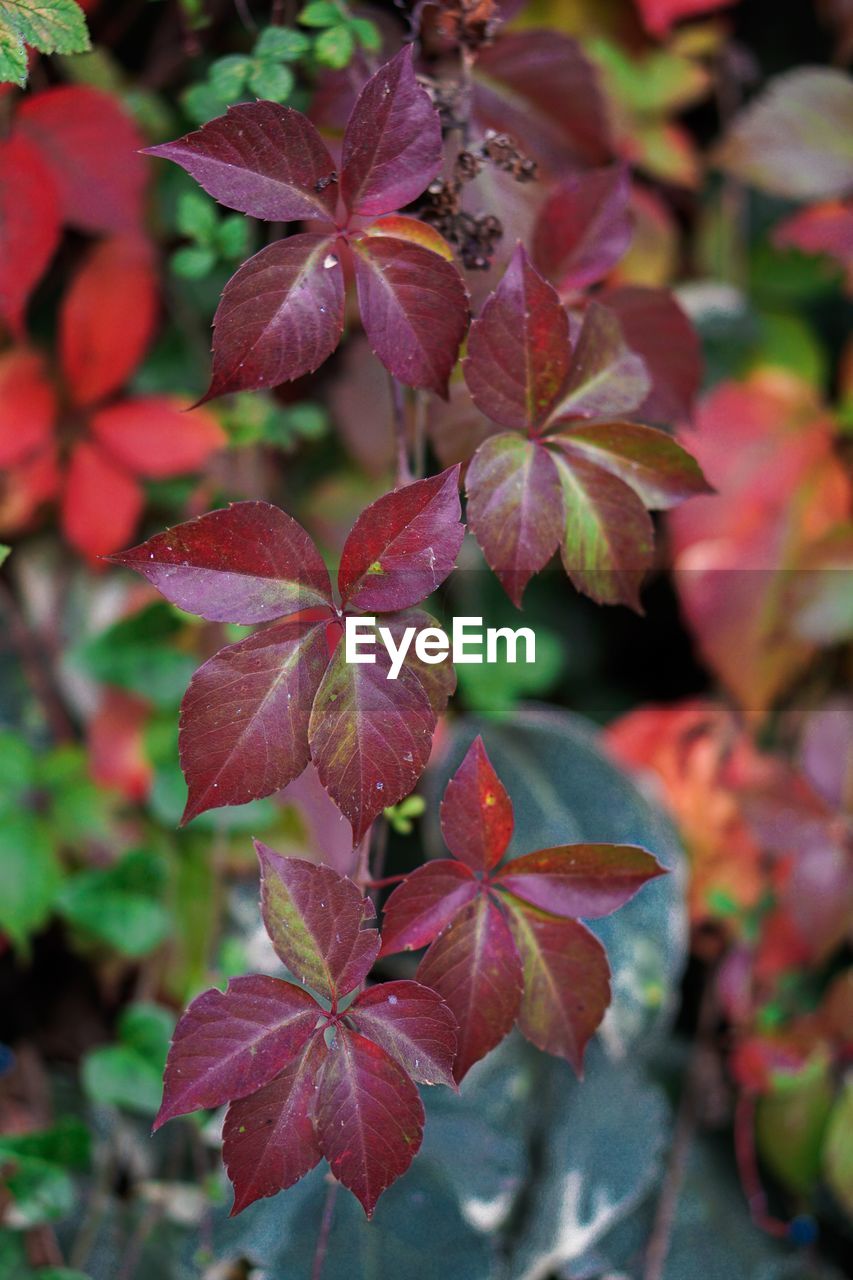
[476,812]
[426,901]
[606,379]
[583,228]
[656,467]
[413,1025]
[589,880]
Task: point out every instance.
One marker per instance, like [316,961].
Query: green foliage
[141,654]
[121,905]
[129,1074]
[50,26]
[215,240]
[37,1171]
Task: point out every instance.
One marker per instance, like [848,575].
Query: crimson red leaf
[514,508]
[606,379]
[369,1117]
[437,679]
[91,147]
[244,717]
[474,966]
[246,563]
[27,406]
[414,307]
[154,437]
[411,1023]
[656,328]
[583,228]
[314,917]
[268,1139]
[660,472]
[476,812]
[403,545]
[264,159]
[280,316]
[588,880]
[518,348]
[228,1044]
[107,318]
[608,544]
[101,504]
[659,15]
[392,143]
[29,226]
[566,982]
[425,903]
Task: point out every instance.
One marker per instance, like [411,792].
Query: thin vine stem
[325,1231]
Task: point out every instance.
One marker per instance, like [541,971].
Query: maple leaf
[281,314]
[257,711]
[576,475]
[306,1079]
[50,26]
[505,944]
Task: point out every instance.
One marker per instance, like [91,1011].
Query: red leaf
[24,488]
[281,315]
[392,143]
[264,159]
[27,407]
[476,812]
[656,328]
[588,880]
[246,563]
[403,546]
[515,508]
[474,966]
[660,472]
[91,147]
[154,437]
[369,1117]
[101,504]
[29,227]
[583,228]
[414,307]
[268,1140]
[606,379]
[116,744]
[659,15]
[411,1023]
[244,717]
[314,917]
[426,901]
[227,1045]
[518,349]
[107,318]
[566,983]
[822,229]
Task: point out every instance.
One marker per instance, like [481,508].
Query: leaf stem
[325,1229]
[404,471]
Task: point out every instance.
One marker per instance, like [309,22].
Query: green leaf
[17,768]
[196,216]
[227,76]
[67,1143]
[139,654]
[790,1125]
[232,237]
[13,57]
[5,552]
[29,876]
[335,47]
[147,1029]
[320,13]
[51,26]
[494,689]
[838,1149]
[271,80]
[201,102]
[282,43]
[366,33]
[130,1074]
[119,905]
[192,262]
[40,1191]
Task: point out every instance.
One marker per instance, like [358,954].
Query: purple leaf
[660,472]
[476,812]
[518,349]
[281,315]
[246,563]
[392,143]
[656,328]
[314,919]
[426,901]
[514,508]
[606,379]
[244,717]
[403,545]
[369,1117]
[414,307]
[268,1140]
[263,159]
[588,880]
[411,1023]
[228,1044]
[583,228]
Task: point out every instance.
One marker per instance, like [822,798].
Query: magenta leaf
[228,1044]
[656,328]
[583,228]
[392,143]
[424,903]
[414,307]
[476,812]
[268,1140]
[261,158]
[566,982]
[514,508]
[660,472]
[411,1023]
[475,967]
[369,1117]
[606,379]
[588,880]
[280,316]
[518,348]
[403,545]
[244,717]
[314,918]
[246,563]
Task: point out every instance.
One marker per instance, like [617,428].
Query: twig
[404,472]
[325,1230]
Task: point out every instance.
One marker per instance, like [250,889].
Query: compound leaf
[411,1023]
[426,901]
